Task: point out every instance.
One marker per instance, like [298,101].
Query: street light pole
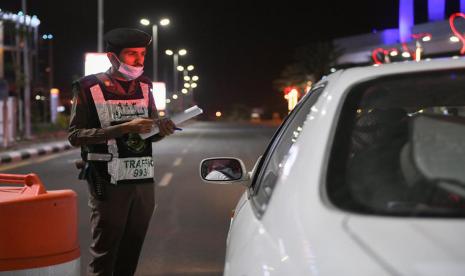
[163,22]
[27,77]
[175,72]
[50,71]
[100,27]
[155,52]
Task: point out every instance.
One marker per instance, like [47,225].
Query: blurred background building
[441,35]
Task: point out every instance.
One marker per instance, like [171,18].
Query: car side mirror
[222,170]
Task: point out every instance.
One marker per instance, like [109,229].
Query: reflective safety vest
[131,158]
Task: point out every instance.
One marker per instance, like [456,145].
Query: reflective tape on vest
[110,111]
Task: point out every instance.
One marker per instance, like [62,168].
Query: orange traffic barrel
[38,228]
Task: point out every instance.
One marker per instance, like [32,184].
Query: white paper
[177,119]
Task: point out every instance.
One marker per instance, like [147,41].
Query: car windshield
[373,169]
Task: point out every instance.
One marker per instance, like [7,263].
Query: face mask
[129,72]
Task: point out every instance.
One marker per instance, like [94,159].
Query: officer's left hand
[166,126]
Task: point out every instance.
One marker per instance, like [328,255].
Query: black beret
[126,38]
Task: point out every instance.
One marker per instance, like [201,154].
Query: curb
[40,150]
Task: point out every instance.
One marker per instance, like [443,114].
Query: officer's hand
[166,126]
[139,125]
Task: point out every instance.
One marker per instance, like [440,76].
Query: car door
[247,250]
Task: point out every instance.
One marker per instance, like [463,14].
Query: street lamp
[162,22]
[50,71]
[176,67]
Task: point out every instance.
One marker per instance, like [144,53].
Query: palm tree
[311,62]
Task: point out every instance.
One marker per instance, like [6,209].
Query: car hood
[408,246]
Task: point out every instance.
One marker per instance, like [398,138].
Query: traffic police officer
[109,112]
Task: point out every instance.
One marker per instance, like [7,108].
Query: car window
[372,168]
[275,155]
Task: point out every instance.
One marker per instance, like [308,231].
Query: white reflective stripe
[145,92]
[113,164]
[99,157]
[100,105]
[132,168]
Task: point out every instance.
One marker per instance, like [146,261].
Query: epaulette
[106,81]
[88,81]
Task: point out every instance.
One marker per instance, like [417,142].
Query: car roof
[362,73]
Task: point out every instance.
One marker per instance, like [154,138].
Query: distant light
[180,68]
[428,59]
[187,78]
[50,36]
[71,101]
[43,98]
[418,52]
[182,52]
[54,91]
[38,97]
[44,36]
[426,38]
[20,13]
[455,57]
[454,39]
[195,78]
[218,114]
[394,53]
[190,67]
[164,22]
[175,96]
[169,52]
[145,22]
[187,85]
[168,101]
[161,113]
[60,108]
[332,70]
[184,91]
[193,85]
[406,54]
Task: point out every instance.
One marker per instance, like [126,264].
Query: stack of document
[177,119]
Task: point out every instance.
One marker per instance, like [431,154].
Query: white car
[366,176]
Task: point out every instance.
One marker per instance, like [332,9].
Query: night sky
[237,47]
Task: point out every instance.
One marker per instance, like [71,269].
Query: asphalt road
[188,230]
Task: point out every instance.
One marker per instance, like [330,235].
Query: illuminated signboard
[159,94]
[96,63]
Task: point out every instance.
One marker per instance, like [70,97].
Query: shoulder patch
[103,77]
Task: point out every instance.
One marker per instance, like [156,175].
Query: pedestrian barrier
[38,229]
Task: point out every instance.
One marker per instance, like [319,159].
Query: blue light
[50,36]
[44,36]
[390,36]
[462,6]
[405,19]
[436,10]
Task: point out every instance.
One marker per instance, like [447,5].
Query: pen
[178,128]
